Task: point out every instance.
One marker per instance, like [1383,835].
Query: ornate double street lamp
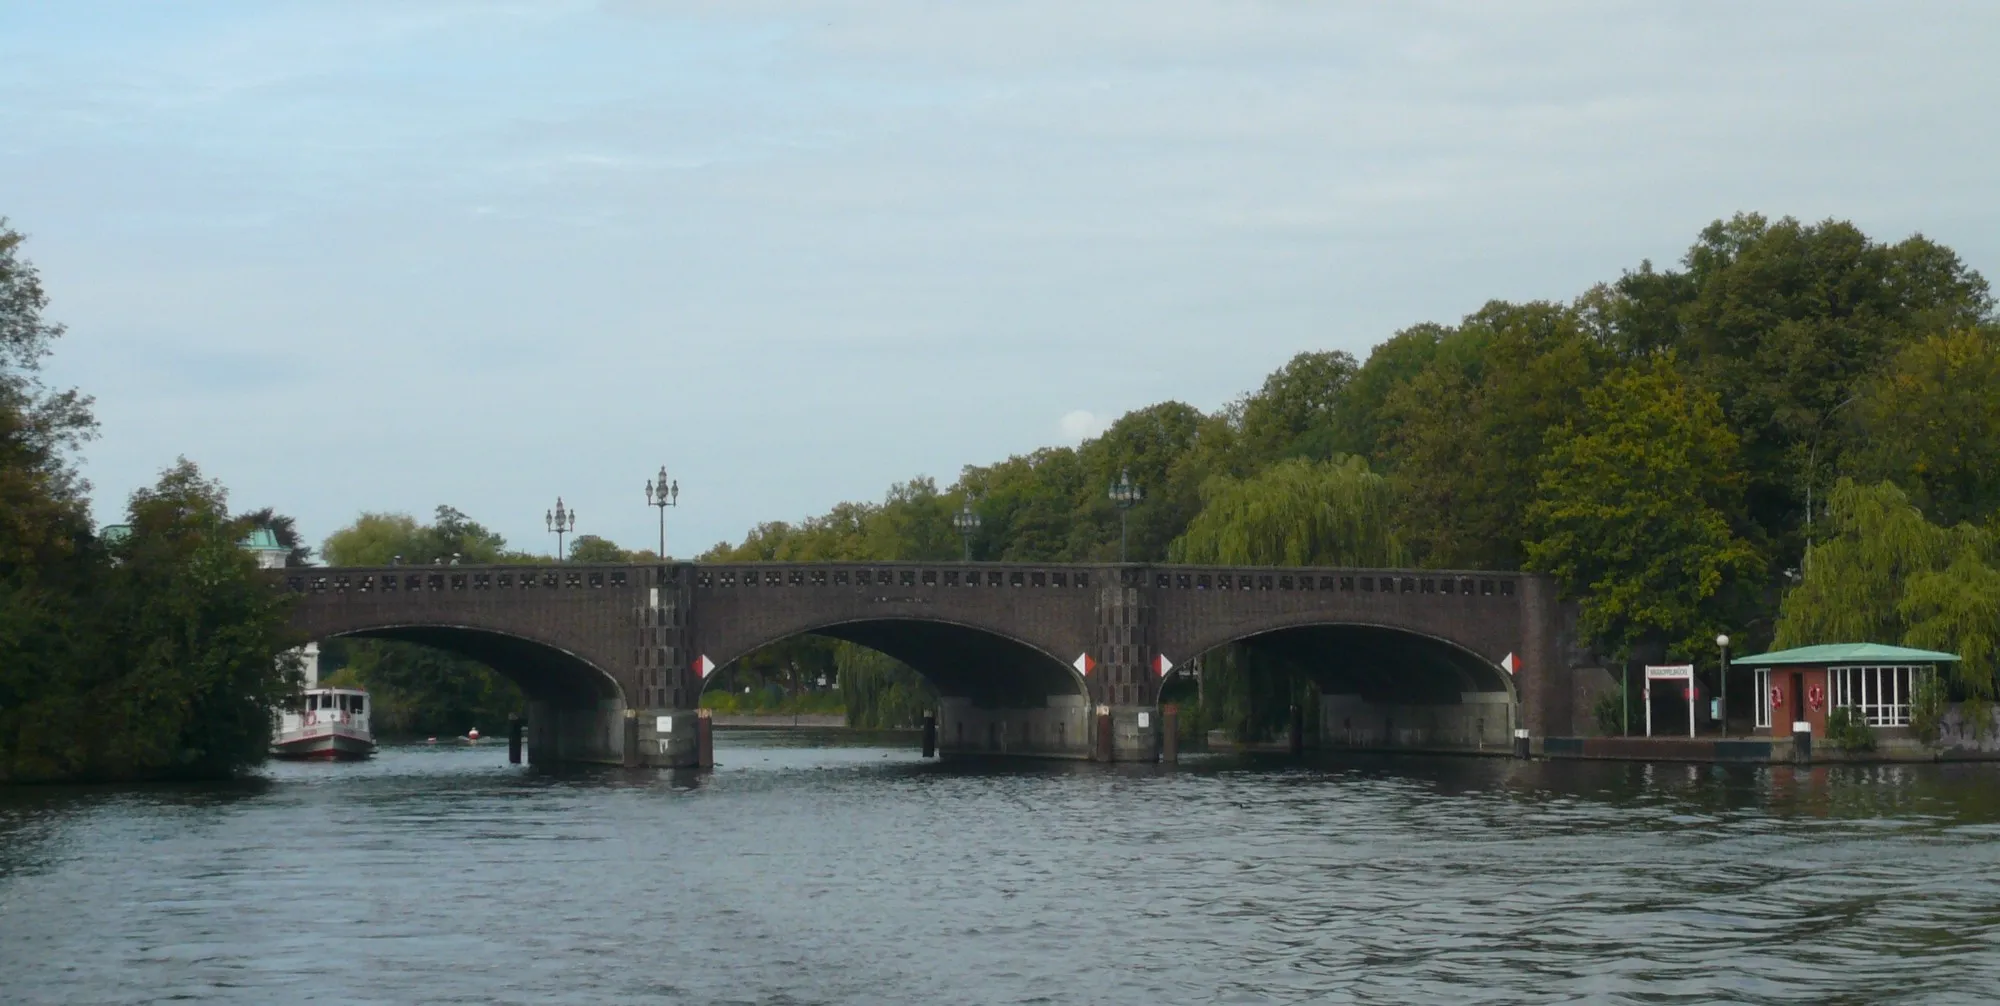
[966,521]
[663,494]
[1125,495]
[561,522]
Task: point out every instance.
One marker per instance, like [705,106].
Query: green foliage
[1649,444]
[1930,422]
[1609,712]
[1638,501]
[1467,435]
[1977,711]
[163,660]
[1298,403]
[1957,610]
[1296,513]
[1847,731]
[1929,700]
[156,656]
[1885,573]
[880,692]
[591,548]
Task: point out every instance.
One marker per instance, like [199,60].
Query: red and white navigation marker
[1083,664]
[1161,665]
[703,667]
[1510,663]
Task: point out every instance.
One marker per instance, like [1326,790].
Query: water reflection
[803,871]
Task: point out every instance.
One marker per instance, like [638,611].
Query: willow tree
[1854,578]
[1296,513]
[1886,573]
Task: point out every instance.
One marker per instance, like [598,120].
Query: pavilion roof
[1827,654]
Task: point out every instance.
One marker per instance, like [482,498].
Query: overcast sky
[380,256]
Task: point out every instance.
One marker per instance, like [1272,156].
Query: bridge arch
[545,671]
[1386,685]
[988,667]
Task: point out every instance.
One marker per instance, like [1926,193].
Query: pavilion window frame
[1879,693]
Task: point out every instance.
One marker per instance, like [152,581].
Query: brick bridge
[614,658]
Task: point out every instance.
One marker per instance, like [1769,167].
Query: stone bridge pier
[1035,660]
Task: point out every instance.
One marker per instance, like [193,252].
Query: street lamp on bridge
[1125,495]
[967,521]
[662,494]
[561,522]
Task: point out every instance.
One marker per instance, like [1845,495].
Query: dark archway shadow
[544,673]
[1390,687]
[989,670]
[1380,664]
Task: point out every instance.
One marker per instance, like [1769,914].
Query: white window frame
[1880,693]
[1763,676]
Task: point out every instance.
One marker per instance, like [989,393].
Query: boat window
[360,702]
[312,703]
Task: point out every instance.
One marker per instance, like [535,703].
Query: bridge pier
[593,734]
[1059,729]
[668,738]
[1480,721]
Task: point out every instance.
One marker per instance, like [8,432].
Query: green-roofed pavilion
[1828,654]
[1876,682]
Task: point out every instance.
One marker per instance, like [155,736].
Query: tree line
[149,651]
[1709,447]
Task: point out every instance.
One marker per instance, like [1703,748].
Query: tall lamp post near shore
[966,521]
[662,494]
[561,522]
[1722,690]
[1125,495]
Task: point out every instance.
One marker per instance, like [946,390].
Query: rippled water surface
[802,872]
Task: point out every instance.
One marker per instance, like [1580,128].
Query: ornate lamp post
[1125,495]
[561,522]
[662,494]
[966,521]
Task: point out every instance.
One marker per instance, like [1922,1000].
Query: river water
[803,871]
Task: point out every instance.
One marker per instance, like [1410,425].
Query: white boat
[331,726]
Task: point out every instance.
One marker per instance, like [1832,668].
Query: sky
[379,256]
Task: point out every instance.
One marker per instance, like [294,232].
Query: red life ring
[1777,696]
[312,718]
[1814,696]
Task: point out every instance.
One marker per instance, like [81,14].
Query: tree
[1640,501]
[1296,412]
[1930,422]
[285,530]
[1957,609]
[1887,573]
[174,663]
[1784,320]
[1467,434]
[591,548]
[1854,578]
[1296,513]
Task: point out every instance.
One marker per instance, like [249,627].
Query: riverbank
[782,721]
